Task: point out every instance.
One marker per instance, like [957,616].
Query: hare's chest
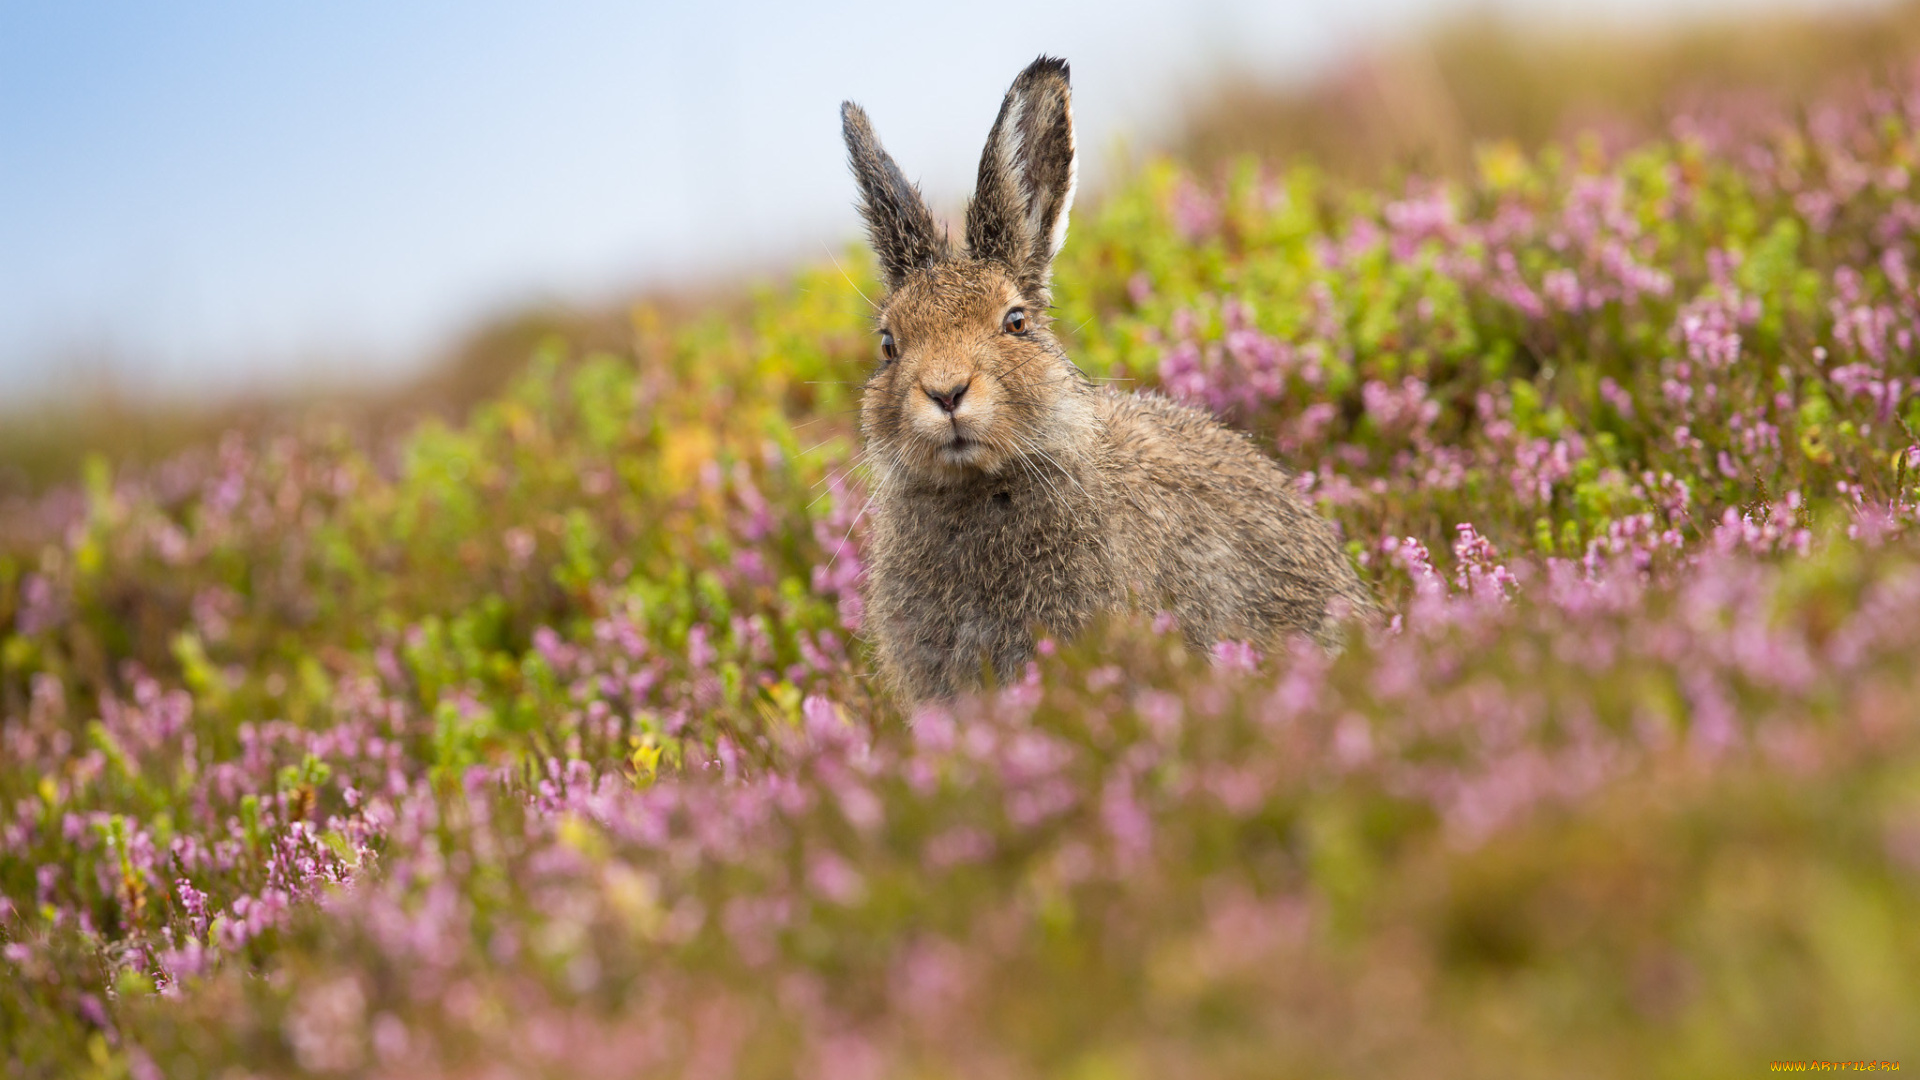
[950,590]
[1002,539]
[999,555]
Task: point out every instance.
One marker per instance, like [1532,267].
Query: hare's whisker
[818,445]
[1049,458]
[843,273]
[852,464]
[1002,376]
[1032,469]
[851,525]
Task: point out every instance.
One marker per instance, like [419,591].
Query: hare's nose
[948,400]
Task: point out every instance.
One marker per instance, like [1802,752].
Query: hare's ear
[898,222]
[1018,215]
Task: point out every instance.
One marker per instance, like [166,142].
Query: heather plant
[545,742]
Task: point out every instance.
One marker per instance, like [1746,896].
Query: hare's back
[1215,526]
[1185,446]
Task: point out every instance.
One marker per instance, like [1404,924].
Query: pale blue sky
[198,198]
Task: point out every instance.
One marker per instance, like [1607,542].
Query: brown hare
[1010,493]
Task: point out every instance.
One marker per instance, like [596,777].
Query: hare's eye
[889,352]
[1015,322]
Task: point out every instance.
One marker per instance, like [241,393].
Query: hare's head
[969,376]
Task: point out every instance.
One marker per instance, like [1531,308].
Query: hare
[1009,492]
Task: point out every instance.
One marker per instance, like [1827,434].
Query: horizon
[215,201]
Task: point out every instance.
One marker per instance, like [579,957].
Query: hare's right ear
[898,222]
[1018,216]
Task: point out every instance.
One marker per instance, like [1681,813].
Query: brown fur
[1038,500]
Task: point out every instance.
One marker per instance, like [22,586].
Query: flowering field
[544,744]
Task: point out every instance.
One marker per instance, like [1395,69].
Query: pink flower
[835,879]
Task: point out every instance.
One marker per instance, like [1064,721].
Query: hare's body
[962,574]
[1214,532]
[1011,494]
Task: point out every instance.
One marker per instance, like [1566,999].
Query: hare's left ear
[1018,215]
[898,222]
